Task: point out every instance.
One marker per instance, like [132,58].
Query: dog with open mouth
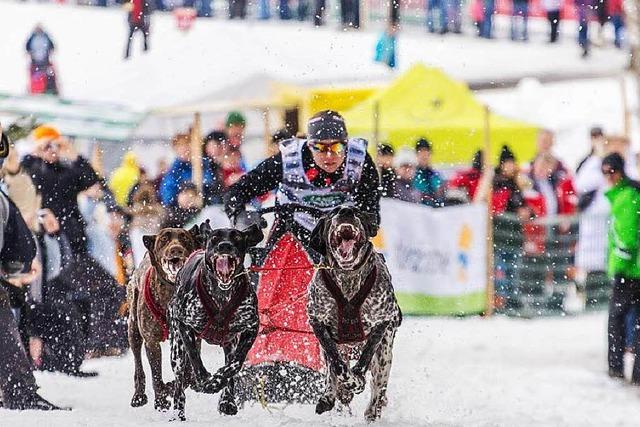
[148,293]
[216,303]
[352,309]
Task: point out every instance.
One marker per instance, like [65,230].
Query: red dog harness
[156,311]
[217,328]
[350,327]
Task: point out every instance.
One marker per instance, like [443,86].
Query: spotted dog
[148,293]
[352,310]
[214,302]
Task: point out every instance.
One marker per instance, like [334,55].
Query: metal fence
[535,265]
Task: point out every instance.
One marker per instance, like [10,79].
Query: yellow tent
[424,102]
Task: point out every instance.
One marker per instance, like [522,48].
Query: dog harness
[297,188]
[156,311]
[218,318]
[350,327]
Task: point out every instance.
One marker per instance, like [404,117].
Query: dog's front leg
[154,354]
[370,347]
[191,348]
[236,358]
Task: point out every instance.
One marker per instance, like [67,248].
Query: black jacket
[59,184]
[268,174]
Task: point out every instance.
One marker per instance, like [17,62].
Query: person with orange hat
[60,174]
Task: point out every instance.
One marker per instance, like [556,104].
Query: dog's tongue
[223,265]
[346,247]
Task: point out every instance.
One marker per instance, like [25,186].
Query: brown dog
[148,293]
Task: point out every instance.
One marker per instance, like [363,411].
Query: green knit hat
[235,118]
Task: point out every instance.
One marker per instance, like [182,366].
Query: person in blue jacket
[181,172]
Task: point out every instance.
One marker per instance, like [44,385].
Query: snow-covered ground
[446,372]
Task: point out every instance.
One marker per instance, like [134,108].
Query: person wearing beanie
[235,127]
[60,174]
[405,166]
[507,194]
[384,161]
[623,262]
[427,180]
[214,148]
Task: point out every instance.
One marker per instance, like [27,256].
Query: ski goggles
[333,147]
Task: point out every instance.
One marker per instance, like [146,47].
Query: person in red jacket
[554,187]
[463,185]
[615,10]
[139,20]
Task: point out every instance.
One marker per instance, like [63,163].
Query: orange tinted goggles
[335,148]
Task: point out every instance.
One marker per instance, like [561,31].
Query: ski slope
[446,372]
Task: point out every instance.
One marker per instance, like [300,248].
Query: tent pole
[626,118]
[196,155]
[486,170]
[267,129]
[376,125]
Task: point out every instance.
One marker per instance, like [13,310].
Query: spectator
[350,13]
[318,15]
[235,124]
[18,388]
[385,51]
[60,175]
[277,137]
[394,13]
[284,10]
[403,188]
[263,10]
[232,168]
[552,7]
[384,162]
[463,185]
[186,209]
[454,16]
[519,20]
[181,171]
[486,26]
[237,9]
[597,141]
[623,266]
[615,12]
[124,178]
[139,20]
[436,16]
[40,47]
[584,15]
[214,147]
[204,8]
[555,187]
[427,181]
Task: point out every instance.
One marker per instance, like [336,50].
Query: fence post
[486,170]
[196,155]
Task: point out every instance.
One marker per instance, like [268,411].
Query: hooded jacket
[623,231]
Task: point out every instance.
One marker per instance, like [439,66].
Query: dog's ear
[253,235]
[149,241]
[369,222]
[195,234]
[317,242]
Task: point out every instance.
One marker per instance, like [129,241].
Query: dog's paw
[138,399]
[227,407]
[326,403]
[162,403]
[169,387]
[211,385]
[352,381]
[178,416]
[373,412]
